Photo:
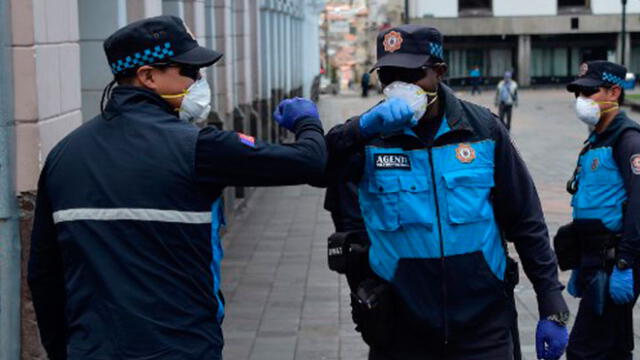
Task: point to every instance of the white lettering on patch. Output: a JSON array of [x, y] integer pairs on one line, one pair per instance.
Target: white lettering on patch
[[392, 161]]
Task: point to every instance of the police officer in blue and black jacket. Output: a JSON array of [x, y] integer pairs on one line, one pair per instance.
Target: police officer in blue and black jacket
[[602, 243], [125, 254], [438, 199]]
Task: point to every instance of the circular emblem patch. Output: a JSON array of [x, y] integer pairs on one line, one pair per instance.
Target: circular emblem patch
[[392, 41], [584, 68], [595, 164], [635, 164], [465, 153]]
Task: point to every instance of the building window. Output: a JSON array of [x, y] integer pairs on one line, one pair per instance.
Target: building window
[[573, 3], [573, 6], [474, 7]]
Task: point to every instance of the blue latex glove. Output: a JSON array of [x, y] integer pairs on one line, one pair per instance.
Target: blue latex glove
[[572, 287], [290, 111], [551, 340], [389, 116], [621, 286]]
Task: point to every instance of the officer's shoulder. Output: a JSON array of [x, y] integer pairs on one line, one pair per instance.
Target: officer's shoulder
[[480, 117]]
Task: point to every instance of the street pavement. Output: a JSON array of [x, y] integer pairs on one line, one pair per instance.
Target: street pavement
[[282, 300]]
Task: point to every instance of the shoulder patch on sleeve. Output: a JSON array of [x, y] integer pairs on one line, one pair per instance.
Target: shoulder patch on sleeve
[[635, 164], [250, 141]]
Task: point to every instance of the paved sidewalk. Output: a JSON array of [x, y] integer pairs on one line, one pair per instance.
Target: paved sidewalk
[[282, 300]]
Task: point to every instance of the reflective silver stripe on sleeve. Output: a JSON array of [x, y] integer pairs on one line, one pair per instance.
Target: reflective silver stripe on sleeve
[[170, 216]]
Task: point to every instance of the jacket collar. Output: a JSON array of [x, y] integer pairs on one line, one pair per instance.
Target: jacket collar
[[125, 97], [613, 128], [454, 116]]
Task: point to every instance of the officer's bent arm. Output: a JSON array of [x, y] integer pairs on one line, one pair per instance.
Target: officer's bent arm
[[627, 156], [344, 143], [225, 158], [46, 277], [520, 217]]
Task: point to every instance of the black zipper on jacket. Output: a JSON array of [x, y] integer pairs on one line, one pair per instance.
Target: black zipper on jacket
[[444, 286]]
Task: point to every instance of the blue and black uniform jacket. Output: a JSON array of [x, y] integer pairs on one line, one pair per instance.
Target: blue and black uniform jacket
[[125, 253], [608, 184], [437, 207]]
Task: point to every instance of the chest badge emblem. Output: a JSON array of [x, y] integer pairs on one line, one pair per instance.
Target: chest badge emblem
[[635, 164], [465, 153], [595, 164]]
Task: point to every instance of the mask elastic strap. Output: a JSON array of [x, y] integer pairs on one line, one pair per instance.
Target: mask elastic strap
[[610, 109], [176, 96]]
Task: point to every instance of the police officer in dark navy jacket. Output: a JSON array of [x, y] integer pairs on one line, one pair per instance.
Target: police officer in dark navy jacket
[[125, 255], [606, 218], [438, 197]]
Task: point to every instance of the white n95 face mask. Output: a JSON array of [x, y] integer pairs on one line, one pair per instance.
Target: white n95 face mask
[[414, 95], [196, 102], [588, 110]]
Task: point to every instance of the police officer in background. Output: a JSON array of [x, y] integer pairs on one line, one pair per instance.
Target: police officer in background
[[438, 195], [125, 254], [602, 243]]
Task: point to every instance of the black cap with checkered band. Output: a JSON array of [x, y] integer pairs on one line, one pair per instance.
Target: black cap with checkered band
[[158, 39], [408, 46], [598, 73]]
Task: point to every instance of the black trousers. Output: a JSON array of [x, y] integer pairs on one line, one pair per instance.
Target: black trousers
[[494, 339], [606, 337], [505, 112], [475, 86]]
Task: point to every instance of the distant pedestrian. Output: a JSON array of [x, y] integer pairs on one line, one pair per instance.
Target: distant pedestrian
[[476, 79], [506, 98], [364, 82]]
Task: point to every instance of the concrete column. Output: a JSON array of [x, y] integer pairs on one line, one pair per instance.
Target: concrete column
[[140, 9], [46, 101], [224, 91], [524, 60], [277, 50], [256, 57], [10, 268], [152, 8], [627, 57], [173, 7], [288, 52], [98, 20], [210, 42], [267, 53], [243, 50]]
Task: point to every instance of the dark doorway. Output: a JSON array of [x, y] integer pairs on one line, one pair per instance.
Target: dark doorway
[[573, 3], [474, 8]]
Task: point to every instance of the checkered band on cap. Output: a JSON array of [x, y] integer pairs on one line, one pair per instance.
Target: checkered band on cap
[[608, 77], [144, 57], [436, 50]]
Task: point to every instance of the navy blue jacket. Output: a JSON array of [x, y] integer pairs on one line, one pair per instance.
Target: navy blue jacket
[[608, 183], [125, 254], [513, 198]]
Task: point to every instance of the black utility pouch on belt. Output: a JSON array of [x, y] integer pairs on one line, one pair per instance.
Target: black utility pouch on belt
[[348, 254], [567, 247], [373, 312]]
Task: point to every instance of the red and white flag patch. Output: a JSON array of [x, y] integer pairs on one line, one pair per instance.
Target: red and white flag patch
[[250, 141]]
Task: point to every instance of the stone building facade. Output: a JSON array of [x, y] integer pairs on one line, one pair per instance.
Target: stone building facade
[[543, 41]]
